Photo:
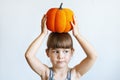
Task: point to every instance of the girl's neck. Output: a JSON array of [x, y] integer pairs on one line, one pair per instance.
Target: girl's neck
[[60, 70]]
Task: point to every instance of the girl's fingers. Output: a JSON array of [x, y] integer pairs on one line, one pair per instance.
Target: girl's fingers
[[74, 19], [71, 23], [44, 18]]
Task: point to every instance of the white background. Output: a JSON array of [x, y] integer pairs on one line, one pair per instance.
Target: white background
[[99, 23]]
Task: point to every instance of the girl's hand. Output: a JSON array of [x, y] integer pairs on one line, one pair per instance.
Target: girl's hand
[[44, 29], [75, 27]]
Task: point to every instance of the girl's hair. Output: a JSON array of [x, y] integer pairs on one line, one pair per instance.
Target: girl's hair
[[59, 40]]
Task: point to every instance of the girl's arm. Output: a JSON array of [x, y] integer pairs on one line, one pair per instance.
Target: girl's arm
[[91, 54], [30, 54]]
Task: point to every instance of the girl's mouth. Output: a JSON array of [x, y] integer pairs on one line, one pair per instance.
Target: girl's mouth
[[60, 61]]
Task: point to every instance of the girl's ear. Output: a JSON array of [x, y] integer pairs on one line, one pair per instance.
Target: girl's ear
[[47, 52], [72, 51]]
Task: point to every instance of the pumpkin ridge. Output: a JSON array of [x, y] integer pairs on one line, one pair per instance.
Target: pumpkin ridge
[[60, 21], [65, 30], [69, 15], [66, 21], [55, 21], [50, 20]]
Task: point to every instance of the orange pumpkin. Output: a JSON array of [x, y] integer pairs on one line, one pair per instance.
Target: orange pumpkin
[[58, 19]]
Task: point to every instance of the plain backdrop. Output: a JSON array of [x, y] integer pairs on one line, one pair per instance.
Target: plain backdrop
[[99, 23]]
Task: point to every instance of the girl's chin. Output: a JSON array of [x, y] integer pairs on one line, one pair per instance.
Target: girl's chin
[[61, 65]]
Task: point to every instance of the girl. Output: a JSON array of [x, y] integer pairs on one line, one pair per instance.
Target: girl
[[60, 50]]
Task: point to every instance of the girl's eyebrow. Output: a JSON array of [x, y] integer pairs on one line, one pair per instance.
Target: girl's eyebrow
[[60, 49], [54, 49]]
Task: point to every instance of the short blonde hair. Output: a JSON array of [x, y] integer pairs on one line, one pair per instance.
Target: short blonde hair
[[59, 40]]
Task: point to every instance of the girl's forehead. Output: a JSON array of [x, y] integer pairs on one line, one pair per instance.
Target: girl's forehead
[[60, 48]]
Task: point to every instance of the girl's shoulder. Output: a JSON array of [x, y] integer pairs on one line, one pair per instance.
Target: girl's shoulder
[[45, 75], [75, 74]]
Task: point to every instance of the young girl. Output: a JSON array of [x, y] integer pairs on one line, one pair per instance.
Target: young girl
[[60, 50]]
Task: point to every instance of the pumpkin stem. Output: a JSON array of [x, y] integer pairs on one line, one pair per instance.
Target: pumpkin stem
[[61, 6]]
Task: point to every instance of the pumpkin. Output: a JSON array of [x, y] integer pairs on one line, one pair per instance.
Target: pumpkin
[[58, 19]]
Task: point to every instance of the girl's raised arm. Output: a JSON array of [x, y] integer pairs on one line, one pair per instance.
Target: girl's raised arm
[[30, 54], [90, 52]]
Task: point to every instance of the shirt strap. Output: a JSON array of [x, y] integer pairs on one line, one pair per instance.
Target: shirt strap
[[69, 75], [51, 74]]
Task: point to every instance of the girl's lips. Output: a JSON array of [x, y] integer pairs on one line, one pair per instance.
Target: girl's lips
[[60, 61]]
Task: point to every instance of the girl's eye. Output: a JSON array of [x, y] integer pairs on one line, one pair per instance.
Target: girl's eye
[[55, 51], [66, 51]]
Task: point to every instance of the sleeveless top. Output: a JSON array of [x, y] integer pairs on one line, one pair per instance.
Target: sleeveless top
[[51, 75]]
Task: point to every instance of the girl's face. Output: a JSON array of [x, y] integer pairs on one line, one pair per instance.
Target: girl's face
[[60, 57]]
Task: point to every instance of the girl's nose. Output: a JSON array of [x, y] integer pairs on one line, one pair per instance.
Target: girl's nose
[[60, 56]]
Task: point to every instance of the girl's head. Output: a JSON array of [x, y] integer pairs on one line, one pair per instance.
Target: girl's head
[[59, 40], [59, 49]]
